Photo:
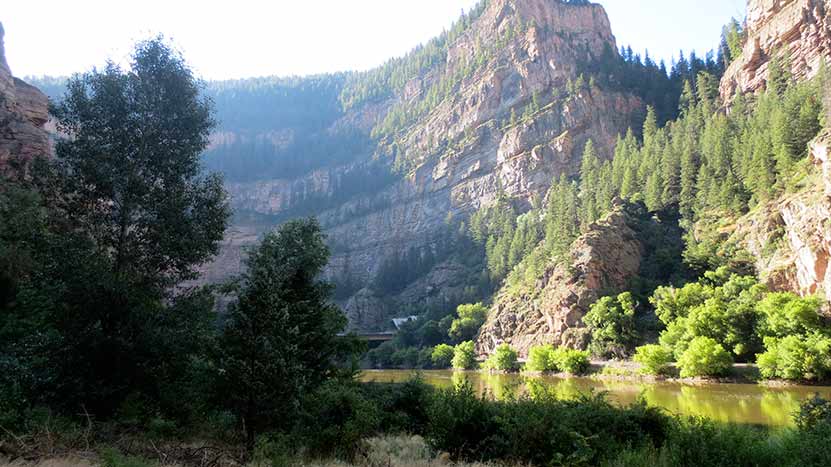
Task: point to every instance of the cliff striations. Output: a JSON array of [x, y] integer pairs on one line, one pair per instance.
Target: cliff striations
[[24, 111], [797, 29], [462, 150]]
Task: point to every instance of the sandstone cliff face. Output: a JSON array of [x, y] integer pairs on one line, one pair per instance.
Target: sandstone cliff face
[[799, 28], [23, 114], [791, 237], [464, 151], [602, 261]]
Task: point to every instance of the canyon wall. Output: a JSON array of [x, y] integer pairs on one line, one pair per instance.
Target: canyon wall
[[461, 154], [798, 29], [24, 111]]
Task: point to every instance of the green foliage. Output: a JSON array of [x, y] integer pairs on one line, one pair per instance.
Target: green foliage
[[111, 457], [784, 314], [504, 358], [280, 340], [797, 357], [542, 358], [572, 361], [704, 357], [611, 321], [813, 413], [471, 317], [464, 356], [722, 306], [442, 356], [469, 427], [654, 359]]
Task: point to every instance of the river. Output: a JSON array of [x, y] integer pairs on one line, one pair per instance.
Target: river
[[736, 403]]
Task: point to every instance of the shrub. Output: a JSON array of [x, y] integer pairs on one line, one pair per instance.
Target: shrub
[[814, 412], [654, 359], [503, 359], [541, 358], [572, 361], [704, 357], [336, 419], [464, 356], [796, 357], [784, 314], [542, 432], [406, 357], [442, 356]]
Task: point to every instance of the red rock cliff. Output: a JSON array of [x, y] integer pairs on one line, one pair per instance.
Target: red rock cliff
[[24, 111]]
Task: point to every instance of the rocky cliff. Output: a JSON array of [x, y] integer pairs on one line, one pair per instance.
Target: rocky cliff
[[601, 262], [23, 114], [462, 152], [798, 29], [790, 238]]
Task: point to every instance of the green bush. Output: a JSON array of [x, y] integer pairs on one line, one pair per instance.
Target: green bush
[[705, 357], [654, 359], [541, 358], [503, 359], [814, 412], [464, 356], [442, 356], [796, 357], [542, 432], [336, 420], [406, 357], [572, 361]]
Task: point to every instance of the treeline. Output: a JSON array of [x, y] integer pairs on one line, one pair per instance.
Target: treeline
[[99, 321]]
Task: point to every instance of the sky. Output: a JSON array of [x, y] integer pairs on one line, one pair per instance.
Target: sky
[[247, 38]]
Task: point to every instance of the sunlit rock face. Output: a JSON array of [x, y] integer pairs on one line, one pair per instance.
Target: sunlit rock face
[[24, 111], [604, 259], [480, 156], [801, 29]]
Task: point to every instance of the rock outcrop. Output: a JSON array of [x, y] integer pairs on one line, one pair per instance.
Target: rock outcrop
[[466, 150], [791, 237], [602, 261], [24, 111], [799, 29]]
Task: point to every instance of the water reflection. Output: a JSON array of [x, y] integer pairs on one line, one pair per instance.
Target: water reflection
[[738, 403]]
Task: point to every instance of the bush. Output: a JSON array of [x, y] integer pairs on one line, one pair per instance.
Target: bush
[[402, 407], [572, 361], [336, 420], [406, 357], [654, 359], [796, 357], [464, 356], [813, 413], [442, 356], [503, 359], [541, 358], [705, 357], [542, 432]]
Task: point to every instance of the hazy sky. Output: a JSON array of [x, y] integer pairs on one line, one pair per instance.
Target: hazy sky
[[243, 38]]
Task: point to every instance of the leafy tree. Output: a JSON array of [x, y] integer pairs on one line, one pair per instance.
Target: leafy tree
[[784, 314], [471, 317], [464, 356], [704, 357], [611, 321], [572, 361], [127, 216], [797, 357], [280, 340]]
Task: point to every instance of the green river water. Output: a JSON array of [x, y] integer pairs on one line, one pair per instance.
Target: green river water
[[737, 403]]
